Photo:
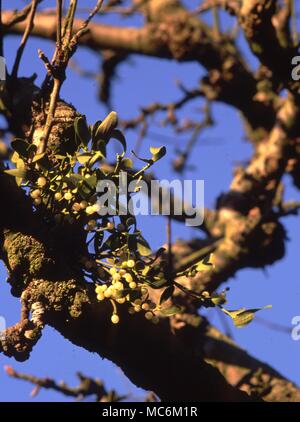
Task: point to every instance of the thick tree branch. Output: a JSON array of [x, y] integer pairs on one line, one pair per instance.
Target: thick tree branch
[[175, 34], [250, 231], [269, 43], [42, 270], [42, 264], [152, 356], [242, 370], [86, 388]]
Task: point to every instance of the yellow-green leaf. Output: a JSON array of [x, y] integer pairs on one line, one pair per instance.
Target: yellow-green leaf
[[107, 126], [157, 153], [205, 264], [82, 131], [242, 317], [172, 310], [38, 157]]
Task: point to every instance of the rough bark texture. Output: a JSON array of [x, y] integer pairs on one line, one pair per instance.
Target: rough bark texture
[[183, 358]]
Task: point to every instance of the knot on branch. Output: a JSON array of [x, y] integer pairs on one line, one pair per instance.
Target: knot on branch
[[17, 341], [26, 259], [62, 127], [180, 35], [255, 13], [252, 241]]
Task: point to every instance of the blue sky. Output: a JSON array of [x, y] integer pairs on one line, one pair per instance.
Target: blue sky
[[141, 81]]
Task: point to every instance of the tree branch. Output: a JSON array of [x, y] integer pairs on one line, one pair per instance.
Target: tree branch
[[150, 355], [271, 45], [245, 221], [86, 388], [176, 34]]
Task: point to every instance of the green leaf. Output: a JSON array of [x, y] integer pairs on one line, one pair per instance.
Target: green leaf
[[205, 264], [94, 129], [73, 179], [14, 157], [167, 293], [112, 242], [158, 254], [84, 157], [131, 221], [98, 240], [82, 132], [121, 293], [19, 172], [96, 157], [85, 190], [91, 181], [21, 147], [31, 150], [101, 147], [145, 160], [127, 162], [118, 135], [106, 127], [219, 299], [143, 246], [158, 153], [242, 317], [38, 157], [157, 284], [172, 310]]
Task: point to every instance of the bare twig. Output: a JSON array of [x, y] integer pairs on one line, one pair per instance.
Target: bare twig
[[295, 36], [169, 243], [216, 17], [48, 126], [1, 32], [19, 16], [141, 119], [66, 45], [59, 21], [125, 11], [179, 162], [289, 208], [26, 34], [87, 387], [231, 5], [109, 8], [273, 325], [85, 24]]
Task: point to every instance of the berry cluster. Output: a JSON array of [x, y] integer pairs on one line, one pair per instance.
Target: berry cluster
[[62, 183], [125, 286]]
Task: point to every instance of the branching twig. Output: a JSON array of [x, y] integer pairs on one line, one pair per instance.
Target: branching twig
[[1, 32], [289, 208], [216, 17], [66, 45], [169, 243], [87, 387], [141, 120], [59, 22], [295, 35], [273, 325], [19, 16], [26, 34], [231, 5], [125, 11], [179, 162], [169, 107], [85, 24]]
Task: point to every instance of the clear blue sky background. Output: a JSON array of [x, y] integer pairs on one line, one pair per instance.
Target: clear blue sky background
[[141, 81]]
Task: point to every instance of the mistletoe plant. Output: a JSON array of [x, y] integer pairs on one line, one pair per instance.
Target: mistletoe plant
[[62, 183]]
